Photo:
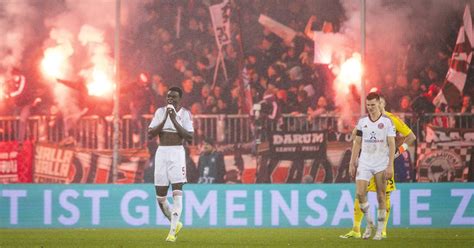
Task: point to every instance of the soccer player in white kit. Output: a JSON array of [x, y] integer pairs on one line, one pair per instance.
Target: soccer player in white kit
[[173, 124], [375, 135]]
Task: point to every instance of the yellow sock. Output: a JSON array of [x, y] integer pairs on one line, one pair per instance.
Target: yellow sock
[[358, 215], [387, 215]]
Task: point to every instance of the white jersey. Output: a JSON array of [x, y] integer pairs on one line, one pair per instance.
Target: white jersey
[[183, 116], [375, 151]]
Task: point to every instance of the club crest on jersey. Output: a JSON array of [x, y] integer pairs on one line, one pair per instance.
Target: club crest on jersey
[[380, 125]]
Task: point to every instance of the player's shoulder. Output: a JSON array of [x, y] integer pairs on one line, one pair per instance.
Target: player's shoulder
[[185, 111], [386, 118], [392, 117], [364, 118], [389, 114]]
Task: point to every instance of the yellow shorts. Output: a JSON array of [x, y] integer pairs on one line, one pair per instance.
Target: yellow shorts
[[390, 185]]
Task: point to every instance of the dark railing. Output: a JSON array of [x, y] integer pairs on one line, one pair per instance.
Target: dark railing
[[94, 132]]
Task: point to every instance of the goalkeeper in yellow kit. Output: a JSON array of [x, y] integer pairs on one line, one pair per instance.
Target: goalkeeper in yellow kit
[[407, 138]]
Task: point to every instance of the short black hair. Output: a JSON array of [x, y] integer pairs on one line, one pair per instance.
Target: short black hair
[[373, 95], [204, 61], [177, 89]]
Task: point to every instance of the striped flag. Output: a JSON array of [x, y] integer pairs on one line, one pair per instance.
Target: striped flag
[[246, 101], [451, 93]]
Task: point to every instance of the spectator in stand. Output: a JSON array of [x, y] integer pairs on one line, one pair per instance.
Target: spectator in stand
[[282, 100], [192, 173], [205, 93], [466, 105], [231, 59], [430, 76], [302, 104], [424, 103], [211, 106], [218, 92], [295, 77], [400, 89], [416, 88], [270, 48], [20, 95], [203, 70], [466, 108], [189, 92], [180, 66], [142, 99], [233, 107], [321, 108], [211, 164], [290, 57], [221, 107], [444, 120], [276, 76], [160, 88], [314, 115], [405, 105]]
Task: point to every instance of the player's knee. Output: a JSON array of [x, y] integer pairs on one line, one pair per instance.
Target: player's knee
[[381, 200], [161, 191], [177, 186], [361, 195]]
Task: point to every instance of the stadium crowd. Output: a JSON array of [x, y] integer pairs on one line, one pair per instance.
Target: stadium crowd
[[279, 72]]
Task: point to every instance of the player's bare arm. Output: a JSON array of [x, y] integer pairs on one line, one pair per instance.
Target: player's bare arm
[[405, 142], [154, 131], [391, 157], [307, 31], [355, 153]]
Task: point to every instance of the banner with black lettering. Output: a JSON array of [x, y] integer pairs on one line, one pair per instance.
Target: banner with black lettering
[[220, 16], [297, 145], [444, 162], [55, 164], [439, 134], [16, 162]]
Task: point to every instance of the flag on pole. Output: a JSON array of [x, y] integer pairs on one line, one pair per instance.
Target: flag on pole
[[284, 32], [220, 16], [451, 92], [246, 101]]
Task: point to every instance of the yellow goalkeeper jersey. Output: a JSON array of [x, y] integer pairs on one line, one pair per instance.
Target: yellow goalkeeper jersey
[[404, 131]]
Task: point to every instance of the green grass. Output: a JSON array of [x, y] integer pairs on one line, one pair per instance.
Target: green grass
[[192, 237]]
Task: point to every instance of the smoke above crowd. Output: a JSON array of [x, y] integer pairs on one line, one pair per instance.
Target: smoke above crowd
[[394, 34], [76, 37]]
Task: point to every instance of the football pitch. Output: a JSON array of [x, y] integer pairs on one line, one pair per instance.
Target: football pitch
[[227, 237]]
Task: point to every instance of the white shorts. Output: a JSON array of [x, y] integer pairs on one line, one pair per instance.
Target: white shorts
[[365, 172], [170, 165]]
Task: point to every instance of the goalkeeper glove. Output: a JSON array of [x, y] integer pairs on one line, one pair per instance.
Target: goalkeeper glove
[[401, 149]]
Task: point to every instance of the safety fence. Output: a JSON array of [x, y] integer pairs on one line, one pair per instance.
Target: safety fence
[[96, 132]]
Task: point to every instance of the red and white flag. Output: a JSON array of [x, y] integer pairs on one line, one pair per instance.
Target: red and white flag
[[246, 101], [220, 15], [451, 93]]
